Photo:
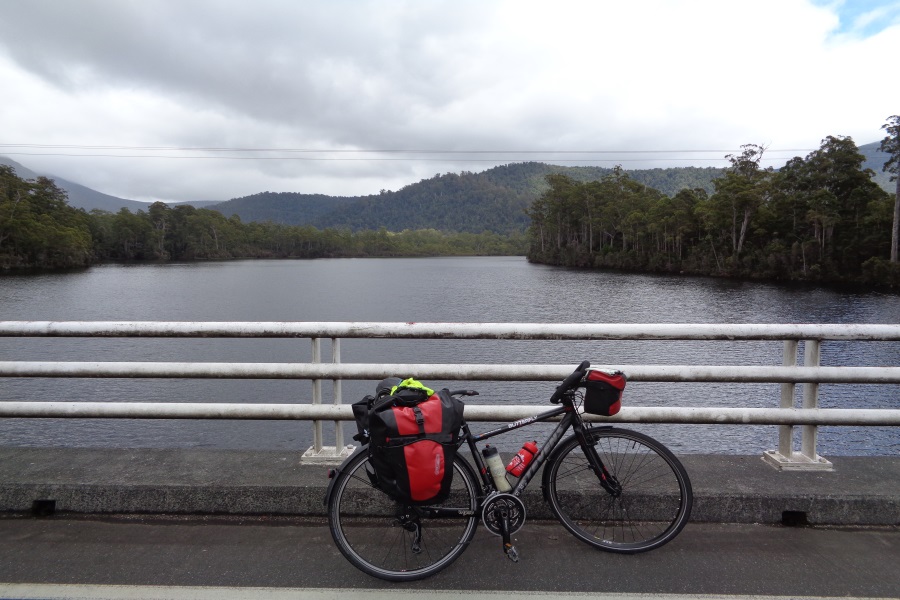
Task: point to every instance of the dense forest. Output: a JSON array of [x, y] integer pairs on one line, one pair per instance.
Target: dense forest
[[38, 229], [820, 218], [37, 226]]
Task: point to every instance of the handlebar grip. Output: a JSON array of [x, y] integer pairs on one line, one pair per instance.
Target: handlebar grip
[[569, 382]]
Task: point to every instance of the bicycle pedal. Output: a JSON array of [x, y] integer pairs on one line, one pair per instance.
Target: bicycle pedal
[[511, 553]]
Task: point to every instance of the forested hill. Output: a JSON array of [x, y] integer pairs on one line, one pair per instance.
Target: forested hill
[[282, 207], [494, 200], [875, 160]]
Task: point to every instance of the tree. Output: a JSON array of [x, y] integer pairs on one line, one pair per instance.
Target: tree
[[160, 217], [132, 235], [745, 182], [739, 195], [840, 190], [891, 145]]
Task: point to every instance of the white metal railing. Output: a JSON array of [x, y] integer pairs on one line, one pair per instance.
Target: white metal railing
[[809, 416]]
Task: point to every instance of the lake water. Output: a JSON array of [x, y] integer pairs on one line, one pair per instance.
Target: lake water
[[485, 289]]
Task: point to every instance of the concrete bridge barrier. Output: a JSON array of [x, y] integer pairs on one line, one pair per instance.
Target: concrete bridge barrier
[[727, 489]]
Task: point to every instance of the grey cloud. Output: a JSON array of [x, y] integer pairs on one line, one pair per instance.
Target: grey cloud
[[394, 74], [346, 72]]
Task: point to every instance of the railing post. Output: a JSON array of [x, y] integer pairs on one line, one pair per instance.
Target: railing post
[[785, 458], [317, 394], [319, 453], [338, 399], [786, 432], [809, 433]]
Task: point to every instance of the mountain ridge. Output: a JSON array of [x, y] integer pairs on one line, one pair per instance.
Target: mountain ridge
[[492, 200]]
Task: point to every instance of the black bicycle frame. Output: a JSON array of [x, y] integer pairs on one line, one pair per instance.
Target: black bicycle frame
[[569, 418]]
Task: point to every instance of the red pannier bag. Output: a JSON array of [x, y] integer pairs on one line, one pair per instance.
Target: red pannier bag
[[412, 445], [603, 391]]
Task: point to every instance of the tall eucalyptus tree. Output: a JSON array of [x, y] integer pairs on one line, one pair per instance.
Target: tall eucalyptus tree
[[891, 145]]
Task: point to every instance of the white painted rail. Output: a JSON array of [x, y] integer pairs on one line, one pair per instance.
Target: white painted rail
[[672, 373], [522, 331], [474, 412], [789, 374]]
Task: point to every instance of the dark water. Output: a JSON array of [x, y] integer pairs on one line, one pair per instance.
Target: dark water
[[429, 289]]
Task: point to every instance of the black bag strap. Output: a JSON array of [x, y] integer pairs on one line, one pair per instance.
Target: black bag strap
[[420, 419]]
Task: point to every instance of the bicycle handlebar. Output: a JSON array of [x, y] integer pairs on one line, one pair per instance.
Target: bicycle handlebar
[[569, 382]]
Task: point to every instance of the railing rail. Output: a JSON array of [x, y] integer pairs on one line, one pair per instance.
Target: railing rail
[[523, 331], [810, 375], [319, 371], [474, 412]]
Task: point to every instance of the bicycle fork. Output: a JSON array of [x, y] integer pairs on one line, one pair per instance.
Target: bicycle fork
[[607, 480]]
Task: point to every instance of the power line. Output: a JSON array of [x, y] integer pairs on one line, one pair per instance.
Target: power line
[[370, 159], [374, 151], [378, 155]]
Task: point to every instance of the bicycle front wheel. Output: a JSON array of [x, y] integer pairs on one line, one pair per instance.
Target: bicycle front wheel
[[652, 503], [395, 542]]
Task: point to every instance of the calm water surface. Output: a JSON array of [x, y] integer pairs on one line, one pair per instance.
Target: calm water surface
[[487, 289]]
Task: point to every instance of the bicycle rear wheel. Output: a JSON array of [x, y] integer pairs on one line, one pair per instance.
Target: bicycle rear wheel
[[655, 499], [395, 542]]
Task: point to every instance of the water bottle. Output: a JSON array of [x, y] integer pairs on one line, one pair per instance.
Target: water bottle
[[495, 466], [521, 460]]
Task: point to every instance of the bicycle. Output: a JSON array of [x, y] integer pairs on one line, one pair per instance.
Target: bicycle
[[614, 489]]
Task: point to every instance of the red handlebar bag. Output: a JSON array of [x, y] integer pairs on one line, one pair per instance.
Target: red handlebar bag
[[603, 391]]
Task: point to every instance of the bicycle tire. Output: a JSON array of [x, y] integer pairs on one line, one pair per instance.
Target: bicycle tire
[[366, 525], [654, 504]]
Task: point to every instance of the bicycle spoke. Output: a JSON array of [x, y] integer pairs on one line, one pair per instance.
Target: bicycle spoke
[[378, 535], [651, 504]]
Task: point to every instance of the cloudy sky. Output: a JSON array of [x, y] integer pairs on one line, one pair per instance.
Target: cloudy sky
[[180, 100]]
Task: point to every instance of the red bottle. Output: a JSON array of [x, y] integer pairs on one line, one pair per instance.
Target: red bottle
[[518, 463]]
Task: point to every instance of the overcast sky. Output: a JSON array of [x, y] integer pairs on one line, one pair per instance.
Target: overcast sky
[[181, 100]]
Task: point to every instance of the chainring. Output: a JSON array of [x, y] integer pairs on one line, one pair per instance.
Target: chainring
[[515, 510]]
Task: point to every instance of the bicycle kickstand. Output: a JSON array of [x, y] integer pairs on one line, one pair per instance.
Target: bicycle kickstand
[[510, 550]]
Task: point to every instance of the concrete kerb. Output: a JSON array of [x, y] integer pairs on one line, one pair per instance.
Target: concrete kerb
[[727, 489]]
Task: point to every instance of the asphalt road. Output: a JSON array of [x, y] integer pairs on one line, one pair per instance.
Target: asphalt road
[[245, 554]]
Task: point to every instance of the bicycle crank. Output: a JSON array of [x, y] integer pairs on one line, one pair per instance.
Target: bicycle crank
[[504, 515]]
